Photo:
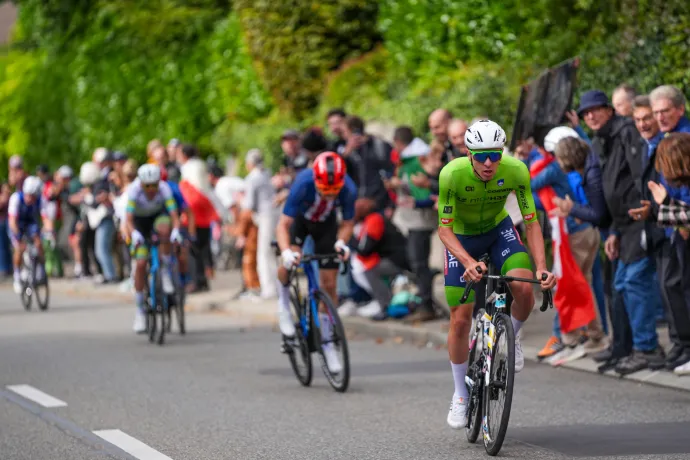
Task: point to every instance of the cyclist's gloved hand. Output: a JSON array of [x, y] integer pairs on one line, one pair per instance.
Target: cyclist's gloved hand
[[137, 238], [340, 246], [175, 236], [290, 258]]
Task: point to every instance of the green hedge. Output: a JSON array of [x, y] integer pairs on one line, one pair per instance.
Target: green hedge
[[296, 43]]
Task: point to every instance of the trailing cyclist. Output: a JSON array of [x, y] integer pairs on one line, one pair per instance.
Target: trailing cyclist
[[310, 209], [472, 222], [25, 209], [151, 208]]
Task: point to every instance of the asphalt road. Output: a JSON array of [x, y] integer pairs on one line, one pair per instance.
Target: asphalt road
[[225, 392]]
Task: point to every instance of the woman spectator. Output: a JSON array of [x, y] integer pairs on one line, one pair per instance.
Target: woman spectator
[[125, 178], [584, 244], [584, 174], [673, 162], [89, 174]]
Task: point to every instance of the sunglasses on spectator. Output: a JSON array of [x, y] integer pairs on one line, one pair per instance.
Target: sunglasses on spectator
[[493, 155]]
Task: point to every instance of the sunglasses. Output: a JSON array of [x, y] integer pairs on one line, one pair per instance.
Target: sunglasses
[[150, 186], [493, 155]]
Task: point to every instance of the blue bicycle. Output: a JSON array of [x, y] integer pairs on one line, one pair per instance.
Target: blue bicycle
[[158, 304], [310, 334]]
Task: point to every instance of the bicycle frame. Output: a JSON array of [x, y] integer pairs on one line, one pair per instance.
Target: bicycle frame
[[154, 263], [313, 287]]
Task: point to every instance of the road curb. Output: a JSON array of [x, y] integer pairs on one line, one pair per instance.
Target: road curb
[[264, 312], [420, 336]]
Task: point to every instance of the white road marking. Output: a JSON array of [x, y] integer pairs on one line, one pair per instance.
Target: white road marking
[[36, 395], [130, 445]]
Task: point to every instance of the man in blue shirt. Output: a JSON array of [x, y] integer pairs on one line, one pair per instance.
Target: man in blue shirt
[[310, 210], [668, 108]]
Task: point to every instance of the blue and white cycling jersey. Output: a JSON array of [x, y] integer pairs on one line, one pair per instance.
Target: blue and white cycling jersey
[[28, 216], [304, 200]]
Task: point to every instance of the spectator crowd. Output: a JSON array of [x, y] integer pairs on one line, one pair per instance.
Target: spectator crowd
[[622, 191]]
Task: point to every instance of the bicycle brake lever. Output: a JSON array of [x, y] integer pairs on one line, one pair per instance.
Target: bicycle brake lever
[[547, 296]]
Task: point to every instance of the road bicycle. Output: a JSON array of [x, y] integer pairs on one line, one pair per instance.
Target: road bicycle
[[34, 279], [491, 367], [159, 305], [309, 336]]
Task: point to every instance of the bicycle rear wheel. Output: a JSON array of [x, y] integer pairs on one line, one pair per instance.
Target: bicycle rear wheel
[[297, 347], [476, 375], [332, 335], [498, 396]]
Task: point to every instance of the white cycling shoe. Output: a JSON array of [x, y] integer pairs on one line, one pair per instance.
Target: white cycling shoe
[[17, 286], [287, 327], [457, 414], [332, 360], [139, 322], [519, 356]]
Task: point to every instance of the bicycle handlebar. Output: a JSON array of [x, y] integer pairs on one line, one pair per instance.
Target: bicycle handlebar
[[311, 257], [547, 299]]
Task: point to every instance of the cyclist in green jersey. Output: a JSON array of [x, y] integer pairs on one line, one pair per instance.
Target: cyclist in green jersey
[[472, 222]]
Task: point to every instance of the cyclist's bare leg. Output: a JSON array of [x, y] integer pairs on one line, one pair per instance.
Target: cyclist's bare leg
[[163, 231], [328, 284], [140, 275], [285, 318], [39, 246], [17, 254], [523, 297], [459, 333]]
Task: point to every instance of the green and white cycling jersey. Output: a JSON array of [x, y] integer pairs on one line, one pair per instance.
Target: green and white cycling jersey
[[471, 206]]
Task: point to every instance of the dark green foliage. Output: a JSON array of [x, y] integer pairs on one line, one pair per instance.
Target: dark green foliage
[[139, 70], [295, 43]]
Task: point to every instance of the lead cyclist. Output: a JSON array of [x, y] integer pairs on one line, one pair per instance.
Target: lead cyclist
[[472, 222]]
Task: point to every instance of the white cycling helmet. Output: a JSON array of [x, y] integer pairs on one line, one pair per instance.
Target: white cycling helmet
[[149, 174], [65, 171], [485, 135], [32, 186], [555, 135], [89, 173]]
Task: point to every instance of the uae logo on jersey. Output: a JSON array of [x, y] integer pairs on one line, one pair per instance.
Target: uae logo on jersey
[[500, 182]]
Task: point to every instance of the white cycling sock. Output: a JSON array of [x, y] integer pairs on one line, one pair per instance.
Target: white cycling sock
[[459, 372], [283, 298], [139, 298], [517, 324]]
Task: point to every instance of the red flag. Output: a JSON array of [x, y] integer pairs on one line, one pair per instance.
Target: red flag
[[573, 297], [199, 204]]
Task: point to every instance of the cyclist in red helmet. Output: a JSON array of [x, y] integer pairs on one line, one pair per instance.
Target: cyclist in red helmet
[[310, 209]]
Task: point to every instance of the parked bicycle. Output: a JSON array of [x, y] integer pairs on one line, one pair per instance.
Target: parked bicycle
[[309, 336], [34, 279], [491, 367]]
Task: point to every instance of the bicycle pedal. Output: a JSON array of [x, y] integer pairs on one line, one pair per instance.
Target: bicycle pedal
[[286, 349]]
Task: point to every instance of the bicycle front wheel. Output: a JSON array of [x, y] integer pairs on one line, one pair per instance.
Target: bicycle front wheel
[[475, 376], [297, 347], [332, 344], [498, 395], [41, 289]]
